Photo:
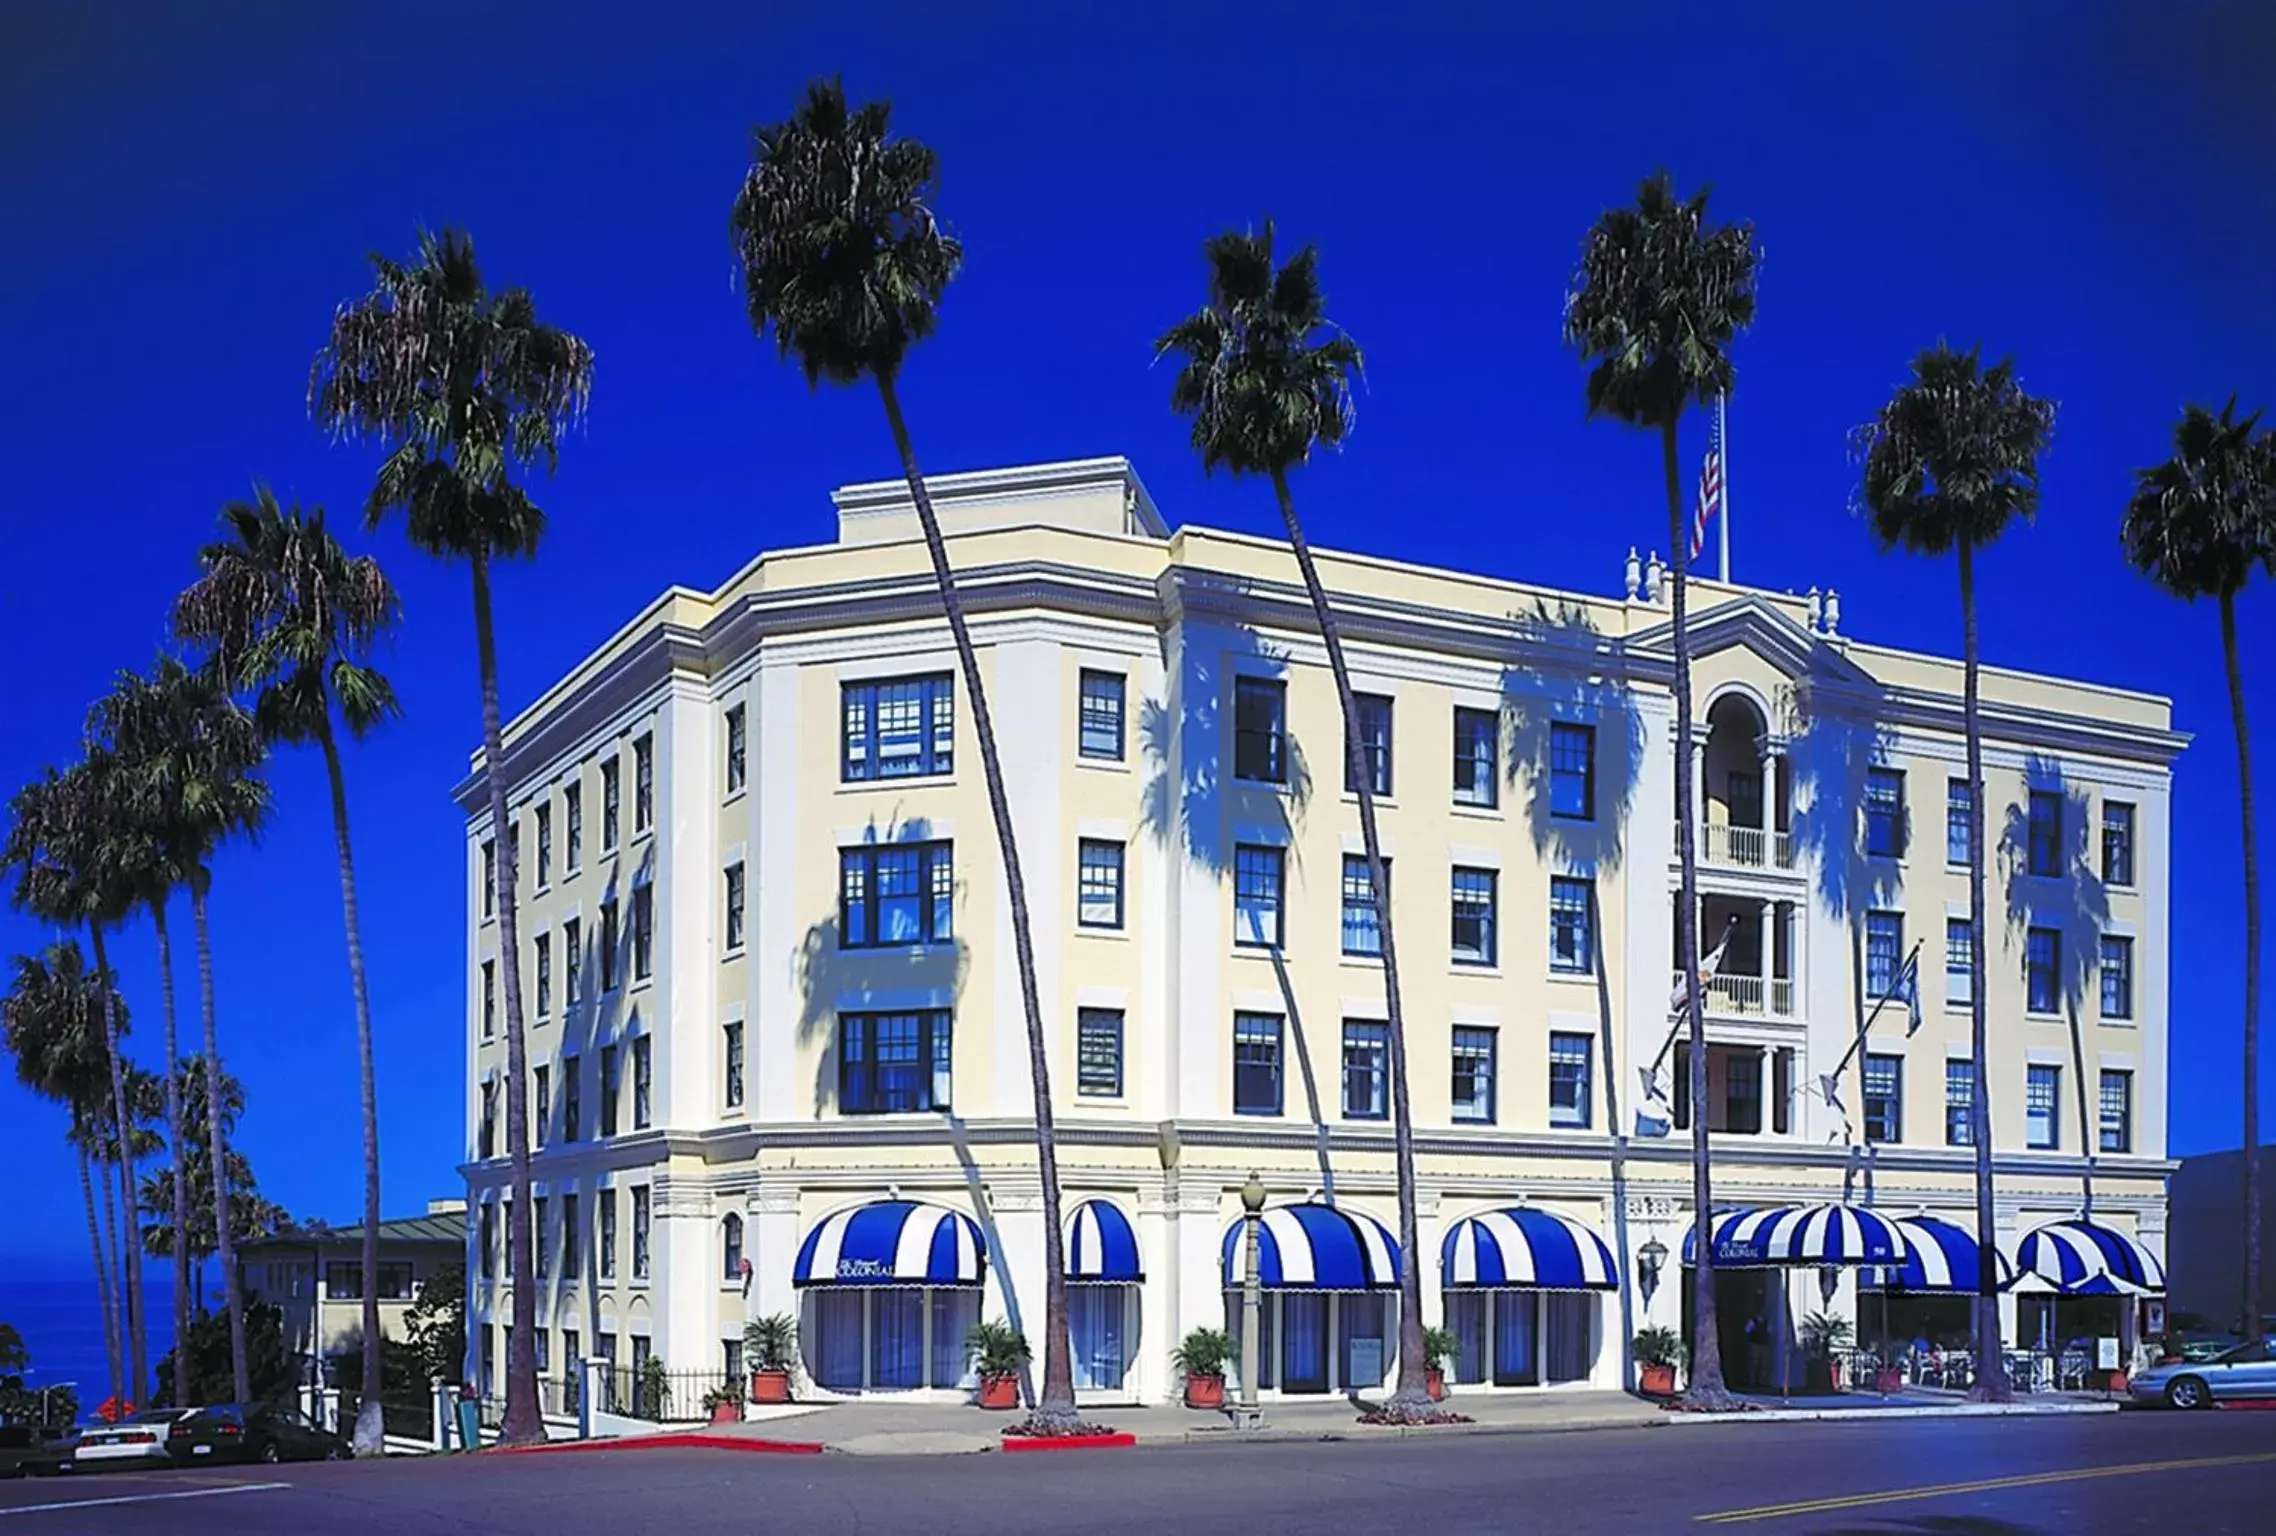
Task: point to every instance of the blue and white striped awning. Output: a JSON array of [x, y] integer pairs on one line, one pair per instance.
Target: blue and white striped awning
[[1523, 1247], [1102, 1246], [1800, 1234], [1941, 1256], [2086, 1258], [892, 1242], [1316, 1248]]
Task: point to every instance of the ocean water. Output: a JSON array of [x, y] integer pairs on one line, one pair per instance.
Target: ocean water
[[61, 1321]]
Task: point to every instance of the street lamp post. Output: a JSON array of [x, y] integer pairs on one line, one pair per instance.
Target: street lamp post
[[1248, 1415]]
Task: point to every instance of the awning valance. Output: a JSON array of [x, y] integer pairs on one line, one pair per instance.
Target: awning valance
[[892, 1242], [1800, 1234], [1102, 1245], [1940, 1256], [1523, 1247], [1316, 1248], [2086, 1258]]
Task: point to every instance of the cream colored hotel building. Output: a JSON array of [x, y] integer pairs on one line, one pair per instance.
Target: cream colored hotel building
[[768, 978]]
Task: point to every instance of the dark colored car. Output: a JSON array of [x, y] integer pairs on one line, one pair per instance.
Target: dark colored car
[[253, 1432], [33, 1450]]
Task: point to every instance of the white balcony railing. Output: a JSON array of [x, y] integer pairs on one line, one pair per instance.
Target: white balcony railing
[[1747, 996], [1731, 847]]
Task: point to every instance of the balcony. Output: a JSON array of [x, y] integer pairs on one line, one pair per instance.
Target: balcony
[[1733, 847], [1744, 997], [1755, 977]]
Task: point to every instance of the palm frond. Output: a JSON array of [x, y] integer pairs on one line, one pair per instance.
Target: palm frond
[[1954, 453], [2199, 522]]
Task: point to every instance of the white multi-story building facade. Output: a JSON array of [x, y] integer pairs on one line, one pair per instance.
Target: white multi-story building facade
[[778, 1054]]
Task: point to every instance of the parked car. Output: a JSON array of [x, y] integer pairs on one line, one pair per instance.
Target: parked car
[[139, 1440], [253, 1432], [2247, 1371], [33, 1449]]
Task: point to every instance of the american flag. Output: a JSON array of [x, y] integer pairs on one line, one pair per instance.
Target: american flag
[[1710, 486]]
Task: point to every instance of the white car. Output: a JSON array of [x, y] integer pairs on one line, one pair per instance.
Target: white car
[[2247, 1371], [137, 1441]]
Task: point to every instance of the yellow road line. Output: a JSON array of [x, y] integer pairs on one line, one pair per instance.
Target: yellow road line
[[1985, 1485]]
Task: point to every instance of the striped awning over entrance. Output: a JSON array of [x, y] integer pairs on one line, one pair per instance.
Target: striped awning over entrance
[[1800, 1234], [892, 1242], [2085, 1258], [1102, 1246], [1941, 1256], [1526, 1248], [1315, 1248]]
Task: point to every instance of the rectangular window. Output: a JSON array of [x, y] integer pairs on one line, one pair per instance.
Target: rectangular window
[[489, 1242], [2046, 843], [1569, 1096], [732, 1046], [543, 1263], [1098, 883], [1959, 822], [572, 1256], [544, 946], [1362, 925], [1884, 951], [1742, 1093], [610, 1086], [897, 728], [643, 1062], [1374, 713], [544, 846], [643, 932], [896, 893], [1098, 1053], [2042, 1119], [893, 1063], [2043, 971], [1884, 1098], [489, 998], [2117, 977], [1256, 1063], [572, 1099], [2117, 1110], [1474, 1074], [608, 945], [735, 746], [572, 961], [1885, 813], [640, 1232], [543, 1109], [490, 878], [1366, 1070], [1477, 757], [1959, 1103], [1260, 730], [1099, 711], [611, 802], [2117, 843], [1572, 937], [734, 897], [1256, 895], [643, 783], [1474, 893], [1572, 771], [573, 824], [1959, 961], [606, 1238], [487, 1140]]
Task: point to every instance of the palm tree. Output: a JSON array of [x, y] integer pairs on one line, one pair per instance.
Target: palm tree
[[1266, 377], [251, 1214], [190, 760], [2196, 525], [466, 387], [1654, 306], [1948, 463], [291, 615], [843, 259]]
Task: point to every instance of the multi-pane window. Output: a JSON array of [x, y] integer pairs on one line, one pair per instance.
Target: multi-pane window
[[1885, 813], [1572, 935], [1362, 923], [1884, 1098], [639, 1231], [490, 878], [1098, 883], [893, 1062], [1959, 960], [1260, 730], [611, 802], [2043, 971], [731, 1247], [489, 1241], [572, 961], [1742, 1093], [1572, 771], [1959, 1103], [898, 728], [2042, 1118], [734, 896], [542, 1113], [489, 998], [643, 932], [737, 741], [1257, 914], [2046, 838], [1569, 1097], [731, 1048], [2117, 1110], [1884, 951], [1477, 757], [572, 1254], [1374, 712], [1256, 1063], [1098, 1053], [608, 945], [2117, 977], [643, 783], [1098, 730], [573, 825], [572, 1100], [1474, 1050], [610, 1089], [605, 1238], [1474, 916], [1366, 1070], [544, 846], [643, 1080], [543, 945], [1959, 821], [2117, 843], [896, 893], [486, 1142], [543, 1262]]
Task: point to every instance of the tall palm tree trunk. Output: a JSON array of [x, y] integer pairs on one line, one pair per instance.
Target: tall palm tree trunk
[[2252, 1292], [104, 1296], [371, 1431], [1991, 1361], [115, 1263], [137, 1336], [225, 1244], [1705, 1388], [524, 1422], [179, 1182], [1413, 1393], [1055, 1405]]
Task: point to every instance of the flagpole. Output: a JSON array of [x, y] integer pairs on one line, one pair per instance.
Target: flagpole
[[1878, 1004], [1723, 523]]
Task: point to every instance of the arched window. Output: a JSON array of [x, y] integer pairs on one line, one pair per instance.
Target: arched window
[[731, 1247]]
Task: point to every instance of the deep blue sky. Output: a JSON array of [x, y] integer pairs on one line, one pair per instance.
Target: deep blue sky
[[186, 200]]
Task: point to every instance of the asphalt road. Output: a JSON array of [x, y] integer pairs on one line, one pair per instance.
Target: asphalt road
[[2164, 1473]]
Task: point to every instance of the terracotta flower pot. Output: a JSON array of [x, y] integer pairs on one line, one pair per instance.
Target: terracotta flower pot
[[770, 1386], [1658, 1381], [1435, 1380], [999, 1392], [727, 1413], [1888, 1381], [1205, 1391]]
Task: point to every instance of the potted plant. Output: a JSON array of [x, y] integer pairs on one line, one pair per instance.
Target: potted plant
[[1201, 1360], [723, 1404], [1439, 1346], [770, 1344], [1888, 1371], [1658, 1352], [999, 1352], [1823, 1334]]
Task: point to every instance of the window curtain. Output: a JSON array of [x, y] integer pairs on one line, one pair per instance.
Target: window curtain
[[1572, 1325], [837, 1339], [1359, 1320], [897, 1339], [1304, 1341], [954, 1310], [1466, 1316], [1515, 1325], [1095, 1319]]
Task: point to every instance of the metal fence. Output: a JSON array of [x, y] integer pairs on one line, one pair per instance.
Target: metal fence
[[656, 1394]]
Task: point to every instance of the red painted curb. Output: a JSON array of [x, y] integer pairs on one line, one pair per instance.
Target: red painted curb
[[666, 1442], [1068, 1442], [2249, 1404]]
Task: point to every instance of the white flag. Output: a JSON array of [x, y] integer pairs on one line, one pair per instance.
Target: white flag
[[1709, 968]]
